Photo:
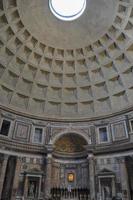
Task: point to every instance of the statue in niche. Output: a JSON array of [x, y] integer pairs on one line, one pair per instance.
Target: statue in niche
[[107, 192], [31, 192]]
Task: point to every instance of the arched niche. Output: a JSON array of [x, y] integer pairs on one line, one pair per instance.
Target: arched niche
[[69, 161], [70, 143]]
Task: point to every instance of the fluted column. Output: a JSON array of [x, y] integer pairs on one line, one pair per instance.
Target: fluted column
[[124, 180], [48, 173], [16, 178], [25, 186], [113, 187], [91, 175], [3, 173]]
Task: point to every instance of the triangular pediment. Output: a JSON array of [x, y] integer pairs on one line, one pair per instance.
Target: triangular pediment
[[105, 171]]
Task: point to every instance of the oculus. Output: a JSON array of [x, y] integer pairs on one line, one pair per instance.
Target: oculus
[[67, 10]]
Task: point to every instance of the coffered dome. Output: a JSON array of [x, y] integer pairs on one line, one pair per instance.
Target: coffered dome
[[66, 70]]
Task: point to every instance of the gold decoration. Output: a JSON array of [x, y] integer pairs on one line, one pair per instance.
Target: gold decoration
[[71, 177]]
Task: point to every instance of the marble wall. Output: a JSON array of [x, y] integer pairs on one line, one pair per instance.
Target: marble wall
[[37, 159], [61, 170]]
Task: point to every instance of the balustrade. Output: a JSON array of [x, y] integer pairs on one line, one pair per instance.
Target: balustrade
[[75, 193]]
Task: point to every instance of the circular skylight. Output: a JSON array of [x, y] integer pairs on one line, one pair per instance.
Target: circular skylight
[[67, 10]]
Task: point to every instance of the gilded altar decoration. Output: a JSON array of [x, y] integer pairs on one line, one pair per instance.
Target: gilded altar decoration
[[70, 177]]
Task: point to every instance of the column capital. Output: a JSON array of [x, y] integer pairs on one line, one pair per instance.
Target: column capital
[[49, 155], [49, 148], [91, 157], [19, 158], [6, 156]]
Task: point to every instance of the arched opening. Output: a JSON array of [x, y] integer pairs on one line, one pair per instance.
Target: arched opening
[[70, 144], [70, 173]]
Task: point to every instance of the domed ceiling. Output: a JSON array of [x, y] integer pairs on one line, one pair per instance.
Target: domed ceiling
[[66, 70]]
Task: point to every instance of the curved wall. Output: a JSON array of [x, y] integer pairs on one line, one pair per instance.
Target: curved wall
[[22, 131], [107, 155]]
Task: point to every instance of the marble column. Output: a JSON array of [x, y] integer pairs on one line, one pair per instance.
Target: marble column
[[48, 175], [113, 187], [16, 178], [3, 173], [25, 186], [124, 180], [92, 176]]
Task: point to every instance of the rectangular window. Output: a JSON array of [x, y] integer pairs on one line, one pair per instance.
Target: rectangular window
[[103, 134], [38, 135], [5, 127]]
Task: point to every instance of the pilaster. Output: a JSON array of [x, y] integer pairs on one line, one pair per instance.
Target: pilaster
[[92, 175], [48, 172], [16, 178], [124, 180], [3, 172]]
